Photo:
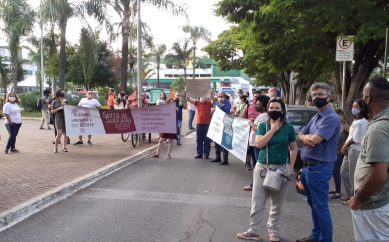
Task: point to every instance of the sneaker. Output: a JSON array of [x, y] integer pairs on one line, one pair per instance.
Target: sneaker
[[78, 143], [178, 143], [308, 239], [206, 157], [248, 236], [335, 196], [198, 156], [14, 151], [41, 128], [89, 142], [216, 160], [248, 188]]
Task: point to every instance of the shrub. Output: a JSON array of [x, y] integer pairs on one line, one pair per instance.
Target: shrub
[[29, 100]]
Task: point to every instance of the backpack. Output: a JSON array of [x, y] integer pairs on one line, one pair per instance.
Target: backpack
[[39, 104]]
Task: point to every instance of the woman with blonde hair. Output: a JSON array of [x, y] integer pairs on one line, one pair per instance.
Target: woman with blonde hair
[[13, 121]]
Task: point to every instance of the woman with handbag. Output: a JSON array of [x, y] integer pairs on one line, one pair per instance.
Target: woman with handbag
[[277, 141]]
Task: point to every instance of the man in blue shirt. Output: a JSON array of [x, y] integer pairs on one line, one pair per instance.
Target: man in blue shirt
[[225, 106], [320, 140]]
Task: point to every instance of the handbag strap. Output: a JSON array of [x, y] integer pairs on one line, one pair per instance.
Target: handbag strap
[[267, 150]]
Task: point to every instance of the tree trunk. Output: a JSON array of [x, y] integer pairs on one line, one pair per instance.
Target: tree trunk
[[338, 82], [365, 62], [194, 61], [124, 66], [302, 94], [14, 68], [285, 84], [62, 54]]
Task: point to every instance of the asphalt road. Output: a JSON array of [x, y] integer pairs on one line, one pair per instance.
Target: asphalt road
[[182, 199]]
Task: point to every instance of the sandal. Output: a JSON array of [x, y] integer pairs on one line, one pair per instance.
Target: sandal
[[65, 150], [335, 196], [154, 156], [169, 157], [345, 198], [248, 236], [274, 237], [55, 150]]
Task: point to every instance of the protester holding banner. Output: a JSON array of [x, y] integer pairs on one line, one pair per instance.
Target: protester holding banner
[[88, 102], [203, 120], [261, 108], [169, 136], [225, 106], [132, 101], [58, 109], [277, 141]]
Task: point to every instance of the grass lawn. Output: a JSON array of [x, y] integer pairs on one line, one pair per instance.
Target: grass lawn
[[33, 114]]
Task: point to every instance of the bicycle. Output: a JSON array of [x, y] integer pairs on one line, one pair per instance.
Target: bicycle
[[125, 136]]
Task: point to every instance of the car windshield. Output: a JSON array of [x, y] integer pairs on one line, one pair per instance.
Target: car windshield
[[300, 117]]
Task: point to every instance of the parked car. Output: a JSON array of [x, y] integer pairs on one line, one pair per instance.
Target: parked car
[[299, 116], [154, 94]]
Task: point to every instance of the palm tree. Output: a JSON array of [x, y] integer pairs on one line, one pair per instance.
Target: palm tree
[[196, 33], [158, 52], [18, 18], [59, 12], [125, 9], [181, 55]]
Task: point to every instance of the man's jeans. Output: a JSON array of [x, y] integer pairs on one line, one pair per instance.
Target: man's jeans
[[191, 117], [371, 225], [203, 142], [316, 184], [13, 130]]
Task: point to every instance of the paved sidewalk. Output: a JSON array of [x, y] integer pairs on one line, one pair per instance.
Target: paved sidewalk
[[36, 169]]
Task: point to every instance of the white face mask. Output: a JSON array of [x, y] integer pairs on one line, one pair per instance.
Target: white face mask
[[202, 99], [12, 99]]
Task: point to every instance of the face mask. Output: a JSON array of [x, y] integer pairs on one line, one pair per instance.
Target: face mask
[[221, 99], [320, 102], [12, 99], [61, 95], [201, 99], [274, 114], [355, 111]]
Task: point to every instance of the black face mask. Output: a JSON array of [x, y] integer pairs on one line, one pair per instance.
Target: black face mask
[[320, 102], [61, 95], [274, 114]]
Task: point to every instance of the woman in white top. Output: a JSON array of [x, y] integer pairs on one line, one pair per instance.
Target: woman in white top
[[162, 99], [352, 147], [13, 121]]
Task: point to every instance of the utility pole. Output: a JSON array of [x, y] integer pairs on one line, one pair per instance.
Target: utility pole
[[41, 47], [386, 50], [139, 56]]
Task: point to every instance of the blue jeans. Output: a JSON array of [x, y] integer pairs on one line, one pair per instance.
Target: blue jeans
[[191, 117], [316, 184], [203, 142], [336, 173], [13, 130]]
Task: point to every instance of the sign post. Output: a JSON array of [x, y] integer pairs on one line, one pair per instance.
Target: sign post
[[344, 52]]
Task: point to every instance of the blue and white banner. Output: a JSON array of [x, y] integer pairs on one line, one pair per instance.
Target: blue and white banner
[[230, 132]]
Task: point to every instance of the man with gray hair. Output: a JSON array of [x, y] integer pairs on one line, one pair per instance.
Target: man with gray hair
[[320, 140]]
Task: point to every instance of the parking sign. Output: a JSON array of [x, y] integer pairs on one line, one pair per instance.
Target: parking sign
[[345, 48]]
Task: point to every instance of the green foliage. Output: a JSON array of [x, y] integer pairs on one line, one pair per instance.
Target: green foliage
[[181, 56], [73, 100], [179, 85], [28, 101]]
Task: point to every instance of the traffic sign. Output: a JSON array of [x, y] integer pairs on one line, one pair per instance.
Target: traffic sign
[[345, 48]]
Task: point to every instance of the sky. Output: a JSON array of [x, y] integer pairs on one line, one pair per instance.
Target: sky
[[165, 28]]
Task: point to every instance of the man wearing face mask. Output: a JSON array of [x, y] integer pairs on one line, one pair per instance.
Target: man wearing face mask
[[203, 119], [320, 140], [370, 203], [225, 106], [180, 105]]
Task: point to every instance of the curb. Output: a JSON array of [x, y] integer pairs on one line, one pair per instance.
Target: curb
[[37, 204], [22, 211]]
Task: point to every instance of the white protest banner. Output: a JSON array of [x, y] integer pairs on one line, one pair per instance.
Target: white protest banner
[[229, 132], [154, 119]]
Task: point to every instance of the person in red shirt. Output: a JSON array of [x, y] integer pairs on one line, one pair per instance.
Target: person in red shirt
[[204, 107], [111, 98], [132, 101]]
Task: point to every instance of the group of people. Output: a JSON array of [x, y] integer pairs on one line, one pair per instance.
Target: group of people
[[354, 155]]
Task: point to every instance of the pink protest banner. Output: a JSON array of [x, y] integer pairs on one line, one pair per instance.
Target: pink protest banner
[[154, 119]]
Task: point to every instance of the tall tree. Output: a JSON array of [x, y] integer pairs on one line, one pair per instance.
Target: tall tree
[[59, 12], [158, 52], [4, 79], [18, 19], [125, 9], [181, 56], [88, 55], [196, 33]]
